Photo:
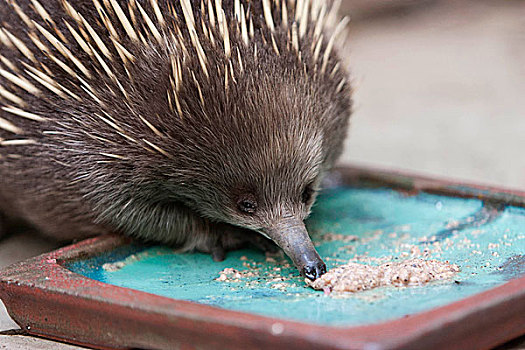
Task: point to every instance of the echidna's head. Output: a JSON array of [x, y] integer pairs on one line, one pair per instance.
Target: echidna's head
[[255, 153]]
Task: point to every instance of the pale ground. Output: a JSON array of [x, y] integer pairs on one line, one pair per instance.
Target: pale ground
[[441, 91]]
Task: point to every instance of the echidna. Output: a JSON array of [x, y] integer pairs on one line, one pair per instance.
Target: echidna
[[197, 123]]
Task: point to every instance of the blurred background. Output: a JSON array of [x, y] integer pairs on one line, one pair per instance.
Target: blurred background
[[439, 90]]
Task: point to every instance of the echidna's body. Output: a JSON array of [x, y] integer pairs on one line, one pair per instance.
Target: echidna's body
[[185, 122]]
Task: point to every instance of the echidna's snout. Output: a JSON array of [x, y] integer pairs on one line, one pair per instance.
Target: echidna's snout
[[291, 235]]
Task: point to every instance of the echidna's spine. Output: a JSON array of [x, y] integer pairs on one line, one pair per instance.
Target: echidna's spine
[[130, 24]]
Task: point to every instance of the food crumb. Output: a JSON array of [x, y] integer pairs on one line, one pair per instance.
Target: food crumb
[[117, 265], [354, 277], [230, 274], [331, 237], [280, 286], [112, 267]]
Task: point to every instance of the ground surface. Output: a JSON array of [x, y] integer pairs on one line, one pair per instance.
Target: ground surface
[[438, 89], [441, 91]]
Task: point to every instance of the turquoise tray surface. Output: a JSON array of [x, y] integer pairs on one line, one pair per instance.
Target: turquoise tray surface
[[369, 226]]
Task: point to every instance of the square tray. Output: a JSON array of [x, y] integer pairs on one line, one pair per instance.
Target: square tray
[[71, 295]]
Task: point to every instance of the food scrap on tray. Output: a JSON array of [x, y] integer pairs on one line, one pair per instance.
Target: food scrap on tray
[[354, 277]]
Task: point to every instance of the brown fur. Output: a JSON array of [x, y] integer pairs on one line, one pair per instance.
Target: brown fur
[[270, 135]]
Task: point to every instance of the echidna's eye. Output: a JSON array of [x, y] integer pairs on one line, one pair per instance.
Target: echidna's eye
[[307, 193], [248, 206]]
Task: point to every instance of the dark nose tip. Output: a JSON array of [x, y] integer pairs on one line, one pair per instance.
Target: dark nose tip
[[314, 270]]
